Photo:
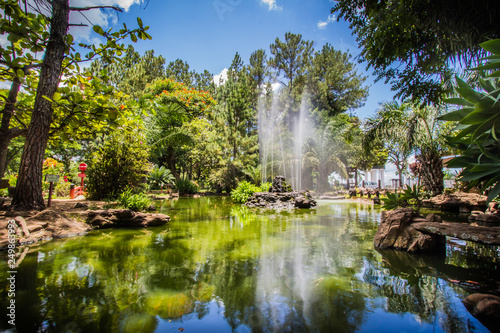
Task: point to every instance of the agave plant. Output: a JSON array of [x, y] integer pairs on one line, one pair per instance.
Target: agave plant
[[160, 177], [478, 127]]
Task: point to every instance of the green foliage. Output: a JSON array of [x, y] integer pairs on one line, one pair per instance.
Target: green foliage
[[393, 201], [62, 189], [186, 186], [136, 202], [265, 187], [160, 177], [478, 127], [244, 191], [411, 195], [117, 163], [412, 43]]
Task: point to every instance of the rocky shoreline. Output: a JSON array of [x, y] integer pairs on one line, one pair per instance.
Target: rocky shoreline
[[70, 219]]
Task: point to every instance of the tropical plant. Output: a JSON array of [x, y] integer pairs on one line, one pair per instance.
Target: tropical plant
[[159, 177], [411, 195], [136, 202], [478, 127], [244, 191], [254, 173]]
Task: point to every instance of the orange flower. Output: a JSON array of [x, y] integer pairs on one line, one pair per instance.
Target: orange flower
[[122, 107]]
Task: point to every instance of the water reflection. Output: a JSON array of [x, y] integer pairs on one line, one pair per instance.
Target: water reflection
[[223, 267]]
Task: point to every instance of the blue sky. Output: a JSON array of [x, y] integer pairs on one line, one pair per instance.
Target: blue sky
[[208, 33]]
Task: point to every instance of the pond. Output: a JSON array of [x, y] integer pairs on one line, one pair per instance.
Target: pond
[[220, 267]]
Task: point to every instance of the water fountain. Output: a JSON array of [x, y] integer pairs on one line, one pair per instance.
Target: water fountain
[[282, 135]]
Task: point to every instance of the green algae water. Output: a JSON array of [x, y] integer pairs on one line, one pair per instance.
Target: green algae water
[[220, 267]]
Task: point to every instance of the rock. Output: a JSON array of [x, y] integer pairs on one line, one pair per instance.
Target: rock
[[152, 208], [109, 218], [81, 205], [418, 219], [376, 201], [463, 210], [304, 202], [433, 218], [280, 185], [487, 220], [453, 202], [396, 231], [484, 235], [486, 308]]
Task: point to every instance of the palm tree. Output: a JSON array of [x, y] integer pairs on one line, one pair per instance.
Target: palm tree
[[323, 156], [165, 133], [411, 128]]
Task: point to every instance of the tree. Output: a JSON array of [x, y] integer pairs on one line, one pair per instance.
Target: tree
[[335, 85], [412, 43], [235, 117], [28, 193], [171, 105], [383, 126], [291, 60], [414, 128]]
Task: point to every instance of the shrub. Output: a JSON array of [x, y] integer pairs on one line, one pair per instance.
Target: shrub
[[62, 189], [116, 164], [159, 177], [135, 202], [185, 186], [265, 187], [244, 191]]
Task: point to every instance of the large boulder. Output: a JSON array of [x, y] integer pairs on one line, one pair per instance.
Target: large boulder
[[395, 231], [303, 201], [280, 185], [486, 308], [110, 218], [458, 201]]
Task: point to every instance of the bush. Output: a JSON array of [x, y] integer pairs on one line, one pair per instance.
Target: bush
[[159, 177], [244, 191], [116, 164], [135, 202], [185, 186], [265, 187], [62, 189]]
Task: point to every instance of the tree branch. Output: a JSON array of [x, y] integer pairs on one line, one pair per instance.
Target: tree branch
[[78, 25], [81, 9]]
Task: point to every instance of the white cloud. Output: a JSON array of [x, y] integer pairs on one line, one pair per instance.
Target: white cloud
[[103, 18], [221, 78], [323, 24], [272, 4]]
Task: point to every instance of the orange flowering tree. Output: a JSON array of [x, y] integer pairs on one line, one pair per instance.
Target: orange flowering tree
[[195, 102], [173, 104]]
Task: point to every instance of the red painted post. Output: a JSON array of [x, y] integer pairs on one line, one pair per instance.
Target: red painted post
[[82, 168], [50, 194]]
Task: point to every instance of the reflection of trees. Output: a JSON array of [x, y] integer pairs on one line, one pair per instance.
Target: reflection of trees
[[271, 271], [415, 284]]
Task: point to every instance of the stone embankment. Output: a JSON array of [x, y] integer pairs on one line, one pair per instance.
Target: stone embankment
[[281, 200], [403, 229], [64, 221]]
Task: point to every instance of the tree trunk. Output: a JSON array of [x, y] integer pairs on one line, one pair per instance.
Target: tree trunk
[[171, 163], [431, 171], [7, 133], [29, 184]]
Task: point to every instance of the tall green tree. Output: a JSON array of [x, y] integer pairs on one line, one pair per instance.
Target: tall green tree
[[292, 61], [58, 57], [412, 43], [335, 85]]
